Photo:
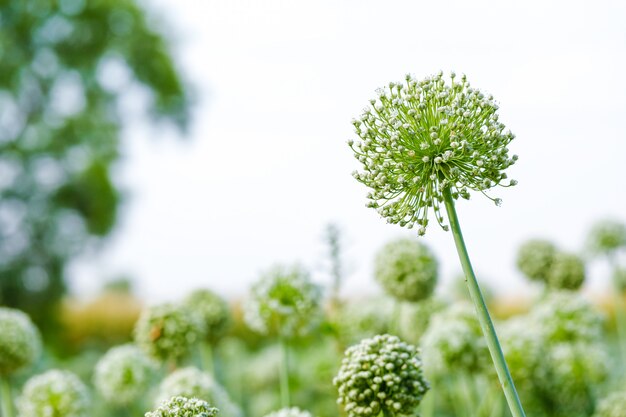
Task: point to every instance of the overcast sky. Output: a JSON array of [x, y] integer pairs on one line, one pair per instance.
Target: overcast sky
[[266, 165]]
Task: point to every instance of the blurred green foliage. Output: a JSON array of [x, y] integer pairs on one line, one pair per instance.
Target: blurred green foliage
[[64, 65]]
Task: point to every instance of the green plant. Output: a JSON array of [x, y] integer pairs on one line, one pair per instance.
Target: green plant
[[184, 407], [54, 393]]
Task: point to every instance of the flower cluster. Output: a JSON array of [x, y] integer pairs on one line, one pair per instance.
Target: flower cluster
[[360, 319], [184, 407], [541, 261], [407, 270], [54, 393], [567, 317], [20, 343], [606, 237], [614, 405], [415, 318], [419, 138], [213, 312], [289, 412], [167, 331], [381, 374], [193, 383], [123, 374], [284, 301], [454, 341]]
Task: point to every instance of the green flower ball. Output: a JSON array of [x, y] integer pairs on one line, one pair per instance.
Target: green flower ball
[[419, 138], [20, 343], [183, 407], [123, 374], [168, 331], [54, 393], [454, 341], [193, 383], [213, 312], [407, 270], [614, 405], [565, 317], [289, 412], [606, 237], [284, 301], [567, 272], [381, 374], [535, 258]]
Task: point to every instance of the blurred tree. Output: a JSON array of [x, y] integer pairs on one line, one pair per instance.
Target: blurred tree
[[64, 64]]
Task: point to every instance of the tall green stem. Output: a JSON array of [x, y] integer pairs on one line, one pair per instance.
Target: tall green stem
[[5, 397], [481, 310], [206, 358], [284, 373]]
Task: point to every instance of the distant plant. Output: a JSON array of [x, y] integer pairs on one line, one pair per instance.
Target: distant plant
[[289, 412], [212, 310], [54, 393], [20, 342], [381, 375], [606, 237], [613, 405], [541, 261], [184, 407], [407, 270], [423, 144], [168, 332], [124, 374]]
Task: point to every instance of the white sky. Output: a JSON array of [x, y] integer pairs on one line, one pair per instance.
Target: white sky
[[266, 165]]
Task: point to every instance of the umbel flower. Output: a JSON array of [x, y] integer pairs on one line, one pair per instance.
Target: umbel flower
[[168, 331], [184, 407], [20, 343], [614, 405], [534, 259], [213, 312], [289, 412], [606, 237], [419, 138], [123, 374], [284, 301], [193, 383], [406, 269], [453, 341], [54, 393], [381, 374], [567, 272]]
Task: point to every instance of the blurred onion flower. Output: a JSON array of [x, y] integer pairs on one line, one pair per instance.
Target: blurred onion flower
[[167, 331], [289, 412], [360, 319], [213, 312], [284, 301], [415, 318], [20, 342], [567, 272], [184, 407], [193, 383], [406, 269], [381, 374], [567, 317], [54, 393], [123, 374], [606, 237], [454, 342], [619, 278], [614, 405], [535, 258], [419, 137]]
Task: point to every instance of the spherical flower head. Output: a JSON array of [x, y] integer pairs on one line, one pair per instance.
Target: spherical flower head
[[284, 301], [54, 393], [168, 331], [381, 374], [567, 317], [454, 341], [193, 383], [183, 407], [567, 272], [613, 405], [606, 237], [123, 374], [407, 270], [289, 412], [569, 374], [419, 138], [534, 259], [20, 342], [213, 312]]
